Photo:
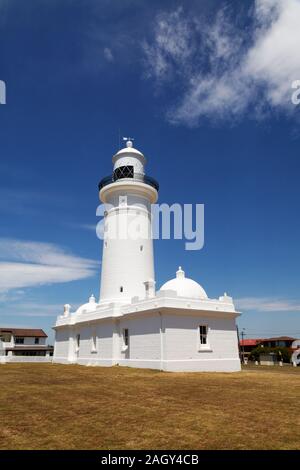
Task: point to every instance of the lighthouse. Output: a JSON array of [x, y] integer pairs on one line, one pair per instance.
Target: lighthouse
[[176, 327], [127, 259]]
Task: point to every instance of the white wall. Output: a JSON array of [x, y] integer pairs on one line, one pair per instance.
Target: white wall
[[182, 349], [103, 331], [144, 337], [29, 341], [65, 349], [181, 339], [177, 349], [8, 359], [61, 344]]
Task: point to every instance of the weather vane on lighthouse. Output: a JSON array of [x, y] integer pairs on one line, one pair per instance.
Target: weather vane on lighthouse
[[129, 141]]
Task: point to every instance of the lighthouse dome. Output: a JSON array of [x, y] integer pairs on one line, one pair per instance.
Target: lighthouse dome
[[128, 162], [90, 306], [185, 287]]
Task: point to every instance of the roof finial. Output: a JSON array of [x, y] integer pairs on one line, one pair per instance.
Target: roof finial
[[129, 141], [67, 308], [180, 273]]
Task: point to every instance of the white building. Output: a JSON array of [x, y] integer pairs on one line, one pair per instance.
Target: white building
[[23, 344], [176, 328]]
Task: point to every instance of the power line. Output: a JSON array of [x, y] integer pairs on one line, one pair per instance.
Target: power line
[[269, 334], [278, 331]]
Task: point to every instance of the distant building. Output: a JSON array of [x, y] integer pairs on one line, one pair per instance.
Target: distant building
[[24, 342], [278, 342], [247, 345]]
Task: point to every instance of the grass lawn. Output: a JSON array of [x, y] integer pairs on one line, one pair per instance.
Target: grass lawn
[[45, 406]]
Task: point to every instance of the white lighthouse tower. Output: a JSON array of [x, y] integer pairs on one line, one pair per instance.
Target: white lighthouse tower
[[127, 261]]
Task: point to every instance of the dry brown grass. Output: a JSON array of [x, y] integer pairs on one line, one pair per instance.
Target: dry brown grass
[[44, 406]]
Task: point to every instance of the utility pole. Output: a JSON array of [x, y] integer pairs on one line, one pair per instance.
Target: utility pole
[[239, 342], [243, 348]]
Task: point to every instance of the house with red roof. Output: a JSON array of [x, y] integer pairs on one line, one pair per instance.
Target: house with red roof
[[247, 345], [23, 342]]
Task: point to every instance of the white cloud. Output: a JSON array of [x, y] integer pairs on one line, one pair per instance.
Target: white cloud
[[91, 227], [31, 309], [27, 264], [265, 304], [274, 59], [222, 70], [108, 54], [172, 43]]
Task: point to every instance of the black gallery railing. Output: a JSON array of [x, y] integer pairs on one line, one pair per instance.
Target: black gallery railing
[[137, 177]]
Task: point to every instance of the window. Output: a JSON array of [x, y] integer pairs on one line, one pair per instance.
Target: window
[[36, 340], [203, 334], [19, 340], [141, 248], [121, 289], [6, 337], [125, 337], [77, 341], [123, 172], [94, 342]]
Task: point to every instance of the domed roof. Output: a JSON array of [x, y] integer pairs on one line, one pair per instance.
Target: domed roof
[[129, 150], [90, 306], [185, 287]]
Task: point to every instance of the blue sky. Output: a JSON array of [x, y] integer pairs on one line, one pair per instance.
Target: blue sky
[[205, 89]]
